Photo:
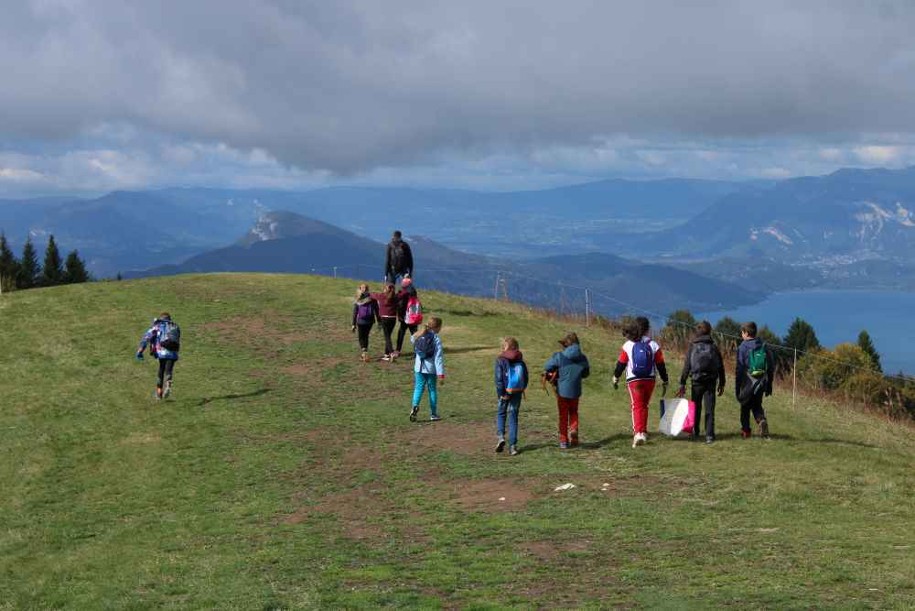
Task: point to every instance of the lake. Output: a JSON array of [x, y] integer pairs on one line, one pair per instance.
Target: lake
[[838, 316]]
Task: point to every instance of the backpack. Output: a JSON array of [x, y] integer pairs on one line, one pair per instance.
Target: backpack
[[642, 359], [414, 313], [758, 362], [169, 335], [365, 311], [397, 255], [424, 346], [516, 381], [703, 362]]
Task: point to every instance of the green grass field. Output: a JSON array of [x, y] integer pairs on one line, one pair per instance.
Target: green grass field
[[284, 473]]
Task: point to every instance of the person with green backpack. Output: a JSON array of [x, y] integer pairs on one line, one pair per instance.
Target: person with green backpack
[[753, 379]]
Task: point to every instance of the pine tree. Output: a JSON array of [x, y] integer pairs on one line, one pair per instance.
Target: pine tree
[[75, 269], [28, 266], [801, 336], [9, 266], [52, 271], [867, 345]]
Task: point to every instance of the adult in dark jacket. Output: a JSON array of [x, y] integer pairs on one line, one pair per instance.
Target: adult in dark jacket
[[398, 259], [749, 385], [509, 391], [705, 367], [571, 366]]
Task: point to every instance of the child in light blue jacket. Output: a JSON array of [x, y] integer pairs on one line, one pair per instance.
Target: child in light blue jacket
[[428, 367]]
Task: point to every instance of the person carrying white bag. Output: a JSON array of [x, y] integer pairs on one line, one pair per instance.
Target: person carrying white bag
[[705, 367]]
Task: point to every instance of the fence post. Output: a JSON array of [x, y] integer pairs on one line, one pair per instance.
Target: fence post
[[335, 272], [588, 307], [495, 290], [794, 382]]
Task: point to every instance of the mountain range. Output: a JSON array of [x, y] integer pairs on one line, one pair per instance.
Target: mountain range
[[285, 242], [852, 228]]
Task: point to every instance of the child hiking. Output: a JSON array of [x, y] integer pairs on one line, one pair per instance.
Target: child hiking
[[409, 312], [511, 380], [570, 366], [641, 358], [705, 367], [387, 313], [164, 341], [365, 313], [753, 379], [428, 367]]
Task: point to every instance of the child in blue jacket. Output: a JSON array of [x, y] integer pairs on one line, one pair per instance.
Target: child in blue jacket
[[163, 339], [511, 380], [428, 367]]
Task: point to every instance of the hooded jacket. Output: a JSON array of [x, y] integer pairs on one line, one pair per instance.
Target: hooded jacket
[[365, 299], [703, 376], [403, 296], [573, 366], [385, 309], [503, 361], [741, 376]]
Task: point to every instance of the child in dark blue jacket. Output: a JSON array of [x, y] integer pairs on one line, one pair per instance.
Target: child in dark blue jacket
[[511, 380], [753, 379]]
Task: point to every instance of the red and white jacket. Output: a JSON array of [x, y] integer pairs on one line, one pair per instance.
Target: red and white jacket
[[625, 361]]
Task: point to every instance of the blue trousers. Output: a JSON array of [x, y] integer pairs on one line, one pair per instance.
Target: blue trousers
[[421, 382], [509, 407]]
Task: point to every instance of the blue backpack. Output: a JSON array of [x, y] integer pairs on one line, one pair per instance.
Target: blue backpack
[[169, 335], [424, 346], [642, 360], [516, 381]]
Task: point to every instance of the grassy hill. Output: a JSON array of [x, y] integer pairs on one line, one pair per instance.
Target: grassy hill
[[284, 473]]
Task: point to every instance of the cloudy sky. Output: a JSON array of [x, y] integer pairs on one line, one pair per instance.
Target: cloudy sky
[[492, 94]]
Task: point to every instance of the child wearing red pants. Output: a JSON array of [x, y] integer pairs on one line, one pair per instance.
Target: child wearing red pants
[[571, 366], [641, 358]]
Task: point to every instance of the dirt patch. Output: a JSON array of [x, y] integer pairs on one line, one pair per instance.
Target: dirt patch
[[247, 330], [550, 551], [491, 495], [462, 438], [352, 510]]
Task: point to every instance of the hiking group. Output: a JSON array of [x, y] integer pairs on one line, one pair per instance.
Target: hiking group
[[641, 359]]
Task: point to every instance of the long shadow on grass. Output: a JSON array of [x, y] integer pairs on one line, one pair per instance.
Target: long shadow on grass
[[586, 445], [253, 393]]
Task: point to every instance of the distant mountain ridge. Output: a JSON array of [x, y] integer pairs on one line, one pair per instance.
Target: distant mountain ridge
[[285, 242]]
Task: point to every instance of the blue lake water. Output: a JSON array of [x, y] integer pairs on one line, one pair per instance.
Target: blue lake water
[[838, 316]]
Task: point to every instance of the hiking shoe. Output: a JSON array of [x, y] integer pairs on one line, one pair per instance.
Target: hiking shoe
[[563, 445], [764, 429], [512, 450], [501, 445], [573, 438], [413, 412], [435, 418]]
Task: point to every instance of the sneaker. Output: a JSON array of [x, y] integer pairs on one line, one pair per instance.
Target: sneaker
[[386, 357], [413, 412], [365, 357], [639, 439], [764, 429], [435, 417], [573, 438], [501, 445], [167, 390], [512, 450], [745, 433], [709, 440], [158, 394], [563, 445]]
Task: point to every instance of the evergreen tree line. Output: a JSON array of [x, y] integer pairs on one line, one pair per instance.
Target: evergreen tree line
[[26, 272], [851, 369]]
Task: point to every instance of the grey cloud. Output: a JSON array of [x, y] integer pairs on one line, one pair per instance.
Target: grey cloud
[[351, 86]]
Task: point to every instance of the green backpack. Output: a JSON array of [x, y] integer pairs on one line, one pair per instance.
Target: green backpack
[[758, 362]]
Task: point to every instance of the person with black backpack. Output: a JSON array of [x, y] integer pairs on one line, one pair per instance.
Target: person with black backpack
[[705, 367], [641, 358], [164, 341], [753, 379], [398, 259], [428, 367]]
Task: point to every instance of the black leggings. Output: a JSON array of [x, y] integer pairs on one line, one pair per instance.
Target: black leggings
[[166, 367], [387, 326], [402, 331], [364, 331]]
